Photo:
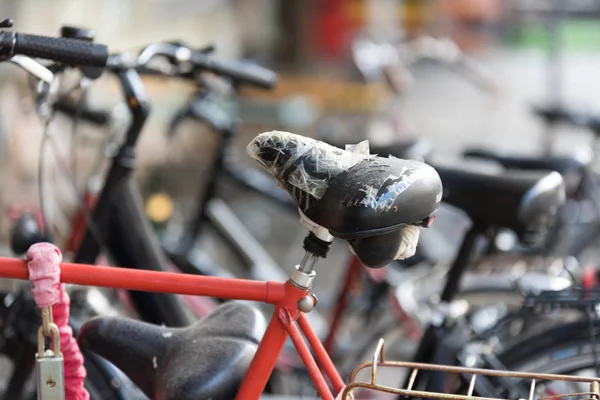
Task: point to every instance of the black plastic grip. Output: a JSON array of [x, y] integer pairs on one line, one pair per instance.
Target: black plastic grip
[[72, 52], [239, 71]]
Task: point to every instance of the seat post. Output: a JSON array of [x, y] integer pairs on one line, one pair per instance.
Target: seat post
[[461, 262], [315, 247]]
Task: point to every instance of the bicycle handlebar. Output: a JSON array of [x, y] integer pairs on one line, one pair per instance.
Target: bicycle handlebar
[[68, 51], [373, 58], [238, 71]]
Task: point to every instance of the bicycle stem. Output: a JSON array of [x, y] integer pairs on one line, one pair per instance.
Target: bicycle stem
[[123, 162]]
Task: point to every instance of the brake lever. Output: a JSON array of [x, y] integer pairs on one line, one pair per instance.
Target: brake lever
[[33, 67], [175, 52]]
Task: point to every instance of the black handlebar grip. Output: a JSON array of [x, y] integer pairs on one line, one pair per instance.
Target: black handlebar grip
[[72, 52], [239, 71]]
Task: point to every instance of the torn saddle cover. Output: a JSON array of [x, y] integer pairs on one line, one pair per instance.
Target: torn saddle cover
[[349, 192]]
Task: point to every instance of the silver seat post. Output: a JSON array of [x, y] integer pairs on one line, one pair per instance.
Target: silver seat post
[[316, 246], [308, 262]]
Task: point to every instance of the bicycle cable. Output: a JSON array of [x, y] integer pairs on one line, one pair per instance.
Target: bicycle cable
[[91, 225], [41, 158]]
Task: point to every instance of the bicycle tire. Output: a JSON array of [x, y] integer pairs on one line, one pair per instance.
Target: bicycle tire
[[388, 329], [559, 350], [563, 349]]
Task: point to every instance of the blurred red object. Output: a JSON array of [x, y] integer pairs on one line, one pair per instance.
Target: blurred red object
[[337, 22], [333, 28]]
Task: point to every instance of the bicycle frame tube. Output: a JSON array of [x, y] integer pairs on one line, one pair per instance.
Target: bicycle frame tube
[[119, 217], [352, 272], [134, 244], [79, 223], [287, 321], [261, 184], [205, 110], [122, 165], [430, 341]]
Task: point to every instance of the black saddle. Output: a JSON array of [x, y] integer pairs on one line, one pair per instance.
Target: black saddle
[[524, 201], [206, 360], [570, 168], [354, 195]]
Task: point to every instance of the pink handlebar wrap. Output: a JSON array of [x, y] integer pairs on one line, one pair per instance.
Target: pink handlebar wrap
[[43, 263]]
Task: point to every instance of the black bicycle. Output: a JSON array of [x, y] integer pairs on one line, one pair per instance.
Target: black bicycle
[[578, 227], [119, 208]]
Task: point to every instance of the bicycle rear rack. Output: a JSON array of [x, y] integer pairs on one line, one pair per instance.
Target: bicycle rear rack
[[471, 373]]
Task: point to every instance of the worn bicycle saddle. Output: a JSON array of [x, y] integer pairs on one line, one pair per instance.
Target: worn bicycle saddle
[[524, 201], [364, 199], [570, 168], [206, 360]]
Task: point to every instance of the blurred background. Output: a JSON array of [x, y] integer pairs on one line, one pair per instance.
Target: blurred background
[[529, 52]]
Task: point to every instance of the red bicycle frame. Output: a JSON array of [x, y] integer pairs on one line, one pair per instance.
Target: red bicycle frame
[[352, 275], [287, 320]]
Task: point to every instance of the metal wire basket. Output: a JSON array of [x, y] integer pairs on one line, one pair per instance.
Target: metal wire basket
[[470, 373]]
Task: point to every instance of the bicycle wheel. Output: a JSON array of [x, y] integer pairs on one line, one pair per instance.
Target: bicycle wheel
[[563, 349], [399, 347]]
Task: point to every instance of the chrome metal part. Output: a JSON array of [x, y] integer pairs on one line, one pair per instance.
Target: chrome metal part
[[306, 304], [50, 372], [302, 279], [308, 262]]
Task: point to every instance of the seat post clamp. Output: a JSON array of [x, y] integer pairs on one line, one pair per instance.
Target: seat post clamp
[[301, 279]]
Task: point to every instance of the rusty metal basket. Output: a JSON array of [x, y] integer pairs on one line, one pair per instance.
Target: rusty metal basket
[[471, 373]]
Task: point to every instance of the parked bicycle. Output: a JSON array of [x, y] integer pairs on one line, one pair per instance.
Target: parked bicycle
[[529, 207], [204, 108], [236, 358], [576, 231]]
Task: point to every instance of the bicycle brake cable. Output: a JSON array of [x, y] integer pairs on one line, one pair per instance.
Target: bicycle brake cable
[[45, 228], [94, 231]]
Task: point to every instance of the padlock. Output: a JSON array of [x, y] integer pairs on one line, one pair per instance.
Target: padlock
[[50, 367]]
